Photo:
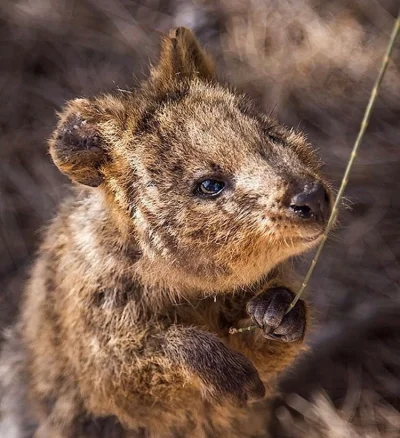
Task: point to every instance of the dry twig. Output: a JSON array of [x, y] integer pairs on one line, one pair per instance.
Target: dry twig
[[343, 185]]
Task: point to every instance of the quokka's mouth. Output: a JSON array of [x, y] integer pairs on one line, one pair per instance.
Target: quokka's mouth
[[311, 239], [307, 236]]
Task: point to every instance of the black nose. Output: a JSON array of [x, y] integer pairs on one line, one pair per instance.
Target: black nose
[[312, 202]]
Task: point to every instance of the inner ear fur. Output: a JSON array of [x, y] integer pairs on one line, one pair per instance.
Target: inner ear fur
[[77, 146], [182, 58]]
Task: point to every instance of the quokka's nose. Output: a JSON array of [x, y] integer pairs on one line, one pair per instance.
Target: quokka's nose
[[311, 203]]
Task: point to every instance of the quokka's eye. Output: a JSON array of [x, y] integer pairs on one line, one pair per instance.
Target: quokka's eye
[[210, 188], [274, 138]]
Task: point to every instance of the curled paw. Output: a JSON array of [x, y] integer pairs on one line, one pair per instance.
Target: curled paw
[[268, 311]]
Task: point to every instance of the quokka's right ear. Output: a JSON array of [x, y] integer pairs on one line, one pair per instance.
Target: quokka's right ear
[[181, 57], [77, 146]]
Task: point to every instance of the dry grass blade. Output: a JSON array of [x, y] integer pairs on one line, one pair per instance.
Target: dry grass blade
[[343, 185]]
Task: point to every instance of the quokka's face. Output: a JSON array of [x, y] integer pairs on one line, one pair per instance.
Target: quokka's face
[[224, 186], [213, 188]]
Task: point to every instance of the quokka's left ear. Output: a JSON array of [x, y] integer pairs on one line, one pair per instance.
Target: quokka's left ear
[[81, 142], [182, 58]]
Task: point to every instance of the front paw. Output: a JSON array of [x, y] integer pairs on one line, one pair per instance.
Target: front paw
[[224, 374], [232, 376], [268, 309]]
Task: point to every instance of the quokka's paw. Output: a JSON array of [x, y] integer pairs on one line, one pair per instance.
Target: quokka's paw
[[235, 378], [224, 374], [267, 310]]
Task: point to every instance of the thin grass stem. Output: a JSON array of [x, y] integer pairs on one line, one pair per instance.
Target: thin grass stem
[[343, 185]]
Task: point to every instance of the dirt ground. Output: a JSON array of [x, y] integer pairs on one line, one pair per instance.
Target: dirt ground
[[311, 62]]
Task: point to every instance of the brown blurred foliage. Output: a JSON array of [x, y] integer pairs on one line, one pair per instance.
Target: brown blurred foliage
[[312, 63]]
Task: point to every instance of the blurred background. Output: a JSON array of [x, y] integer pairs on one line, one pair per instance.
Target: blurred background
[[313, 63]]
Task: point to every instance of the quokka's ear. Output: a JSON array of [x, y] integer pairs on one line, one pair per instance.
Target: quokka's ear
[[182, 57], [77, 146]]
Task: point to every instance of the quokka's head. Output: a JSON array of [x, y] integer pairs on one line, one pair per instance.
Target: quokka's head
[[214, 189]]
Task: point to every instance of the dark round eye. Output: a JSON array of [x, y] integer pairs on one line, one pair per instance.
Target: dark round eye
[[210, 187], [274, 138]]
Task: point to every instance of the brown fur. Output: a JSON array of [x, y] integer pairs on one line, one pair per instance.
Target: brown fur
[[127, 311]]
